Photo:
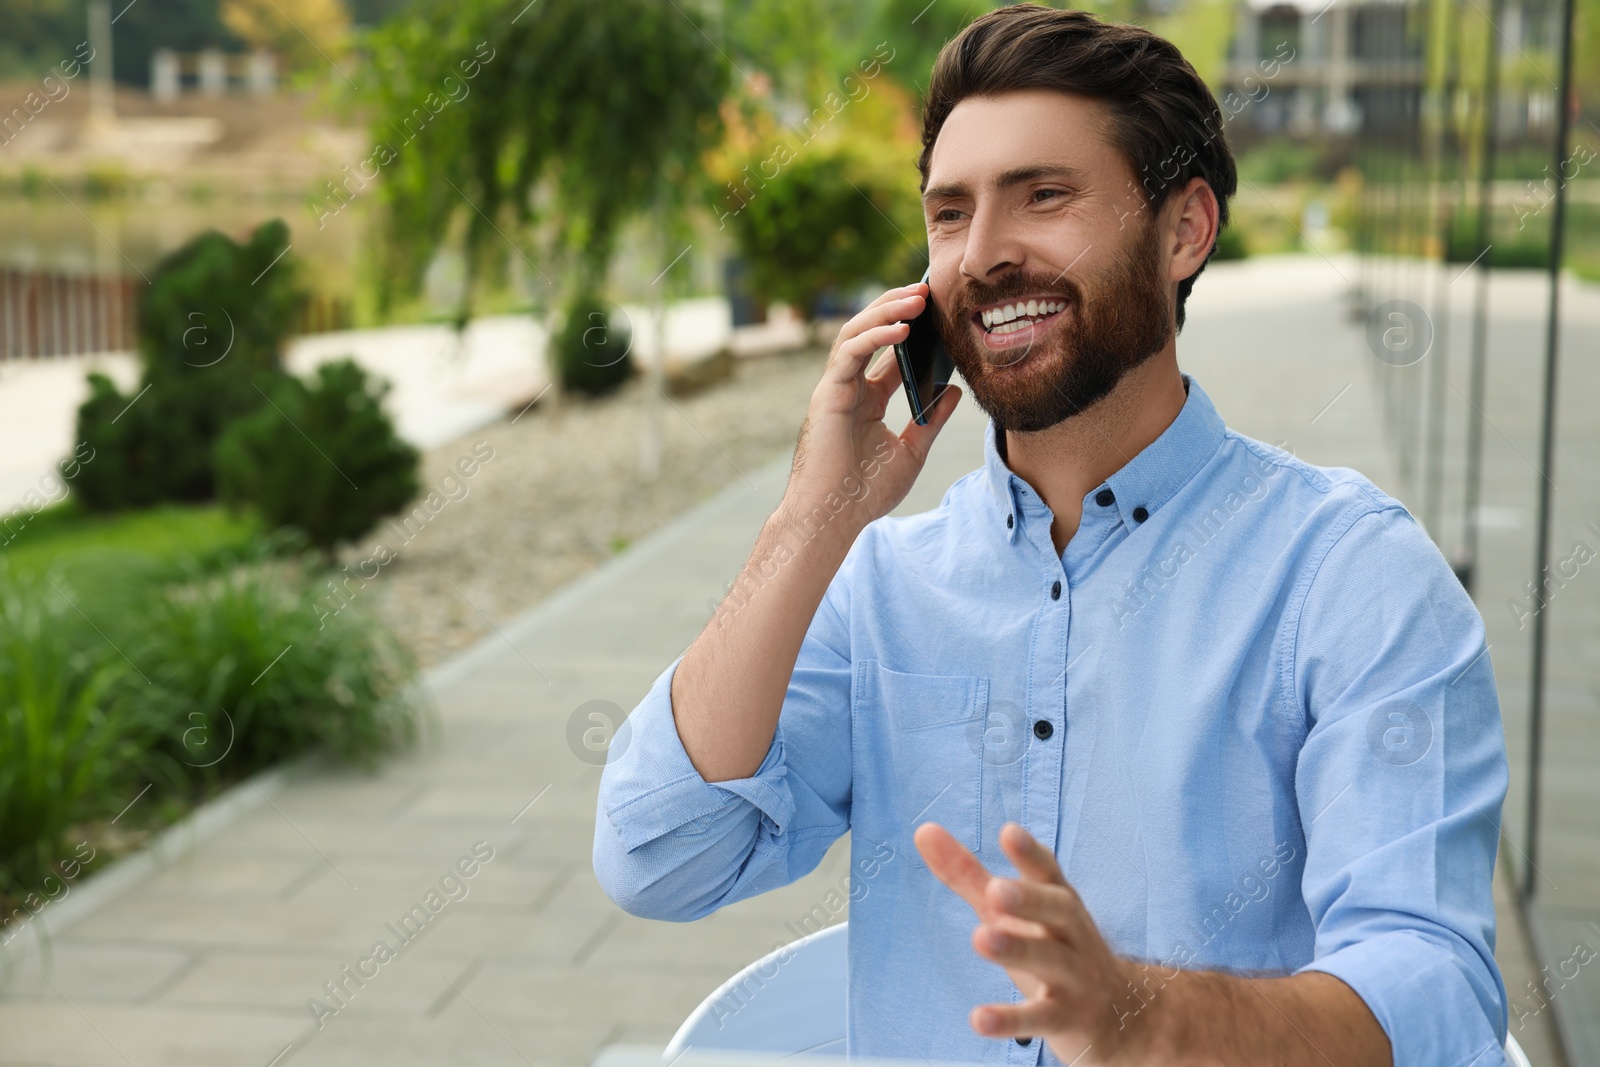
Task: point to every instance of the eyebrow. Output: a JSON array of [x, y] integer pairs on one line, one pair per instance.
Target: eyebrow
[[1007, 179]]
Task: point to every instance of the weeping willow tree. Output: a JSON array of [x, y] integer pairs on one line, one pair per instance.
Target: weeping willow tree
[[536, 131]]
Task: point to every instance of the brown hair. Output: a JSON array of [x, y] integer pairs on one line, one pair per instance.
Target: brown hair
[[1162, 115]]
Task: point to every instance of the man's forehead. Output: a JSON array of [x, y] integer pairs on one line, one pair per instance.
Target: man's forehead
[[1024, 135]]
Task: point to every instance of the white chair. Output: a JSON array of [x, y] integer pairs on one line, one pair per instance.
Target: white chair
[[790, 1001], [797, 1007]]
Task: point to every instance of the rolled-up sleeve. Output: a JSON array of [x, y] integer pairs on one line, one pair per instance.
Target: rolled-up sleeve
[[670, 845], [1400, 783]]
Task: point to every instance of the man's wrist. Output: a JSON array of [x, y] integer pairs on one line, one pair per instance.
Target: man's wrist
[[834, 521], [1134, 1035]]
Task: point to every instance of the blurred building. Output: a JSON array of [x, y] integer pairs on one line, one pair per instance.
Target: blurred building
[[1311, 68]]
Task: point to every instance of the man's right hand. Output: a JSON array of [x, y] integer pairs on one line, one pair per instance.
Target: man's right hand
[[843, 441]]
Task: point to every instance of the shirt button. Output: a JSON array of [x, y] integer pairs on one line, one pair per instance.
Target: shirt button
[[1042, 729], [1023, 1041], [1105, 498], [1009, 519], [1055, 591], [1140, 514]]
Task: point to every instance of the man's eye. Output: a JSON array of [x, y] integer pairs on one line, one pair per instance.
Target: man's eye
[[944, 214], [1048, 192]]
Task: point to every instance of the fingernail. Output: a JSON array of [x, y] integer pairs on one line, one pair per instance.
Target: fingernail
[[999, 940], [1009, 894]]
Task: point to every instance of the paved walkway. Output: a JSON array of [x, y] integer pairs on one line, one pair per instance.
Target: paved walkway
[[214, 959]]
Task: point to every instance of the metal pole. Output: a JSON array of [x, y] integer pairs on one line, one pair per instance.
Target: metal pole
[[1547, 447], [102, 106], [1467, 568], [1433, 477]]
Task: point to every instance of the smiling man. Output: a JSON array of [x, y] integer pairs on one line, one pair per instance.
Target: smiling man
[[1184, 750]]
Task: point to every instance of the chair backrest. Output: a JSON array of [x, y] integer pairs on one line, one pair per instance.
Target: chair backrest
[[792, 1000]]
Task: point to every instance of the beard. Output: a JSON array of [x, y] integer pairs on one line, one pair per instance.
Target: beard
[[1123, 320]]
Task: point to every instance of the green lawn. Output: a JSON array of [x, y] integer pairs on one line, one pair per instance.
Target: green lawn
[[67, 534]]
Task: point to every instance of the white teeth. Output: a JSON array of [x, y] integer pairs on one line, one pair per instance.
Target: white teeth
[[998, 319]]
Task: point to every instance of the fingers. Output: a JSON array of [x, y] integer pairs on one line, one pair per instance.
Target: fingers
[[952, 863], [1040, 953], [886, 368], [853, 352], [1054, 906], [889, 312], [903, 303], [1023, 1019], [1031, 858], [897, 293]]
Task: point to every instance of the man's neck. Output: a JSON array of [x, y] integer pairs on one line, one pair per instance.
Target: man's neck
[[1065, 461]]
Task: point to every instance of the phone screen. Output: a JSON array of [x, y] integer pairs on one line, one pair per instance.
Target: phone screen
[[925, 364]]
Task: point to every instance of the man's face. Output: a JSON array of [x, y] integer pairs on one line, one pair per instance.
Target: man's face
[[1027, 204]]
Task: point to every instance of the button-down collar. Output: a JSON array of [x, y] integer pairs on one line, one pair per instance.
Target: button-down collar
[[1147, 481]]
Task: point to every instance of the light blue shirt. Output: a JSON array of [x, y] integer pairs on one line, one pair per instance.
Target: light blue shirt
[[1250, 707]]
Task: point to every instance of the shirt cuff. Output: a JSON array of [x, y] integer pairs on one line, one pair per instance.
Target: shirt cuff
[[1420, 997], [650, 788]]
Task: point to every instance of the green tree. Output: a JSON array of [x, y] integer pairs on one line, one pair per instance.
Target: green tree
[[917, 30], [806, 46], [548, 125]]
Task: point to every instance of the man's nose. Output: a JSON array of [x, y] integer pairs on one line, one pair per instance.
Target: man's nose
[[994, 245]]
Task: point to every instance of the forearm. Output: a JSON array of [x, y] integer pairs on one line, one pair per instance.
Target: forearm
[[729, 689], [1198, 1017]]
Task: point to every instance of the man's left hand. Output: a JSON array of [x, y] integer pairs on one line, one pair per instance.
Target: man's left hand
[[1037, 928]]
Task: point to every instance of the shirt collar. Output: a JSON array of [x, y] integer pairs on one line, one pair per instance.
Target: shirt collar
[[1146, 481]]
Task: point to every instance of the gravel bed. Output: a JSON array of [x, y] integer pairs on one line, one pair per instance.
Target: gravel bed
[[561, 491]]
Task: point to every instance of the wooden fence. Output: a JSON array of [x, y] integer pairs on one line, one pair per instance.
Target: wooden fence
[[49, 314], [45, 314]]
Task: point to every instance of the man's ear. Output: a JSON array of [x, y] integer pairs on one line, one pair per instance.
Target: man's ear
[[1194, 228]]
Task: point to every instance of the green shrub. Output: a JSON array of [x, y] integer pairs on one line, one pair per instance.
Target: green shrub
[[248, 671], [821, 222], [591, 354], [1276, 160], [323, 458], [211, 325], [1230, 244], [66, 748], [1529, 247]]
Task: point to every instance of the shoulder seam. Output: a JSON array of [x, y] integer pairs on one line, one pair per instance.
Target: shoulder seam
[[1313, 475], [1289, 640]]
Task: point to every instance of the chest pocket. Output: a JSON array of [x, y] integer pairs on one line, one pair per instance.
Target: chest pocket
[[920, 741]]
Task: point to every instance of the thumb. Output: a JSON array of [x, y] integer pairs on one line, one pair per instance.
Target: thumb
[[919, 438]]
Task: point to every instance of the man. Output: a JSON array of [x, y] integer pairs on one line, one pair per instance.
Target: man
[[1205, 736]]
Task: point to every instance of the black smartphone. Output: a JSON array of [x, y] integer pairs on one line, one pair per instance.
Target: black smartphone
[[925, 364]]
